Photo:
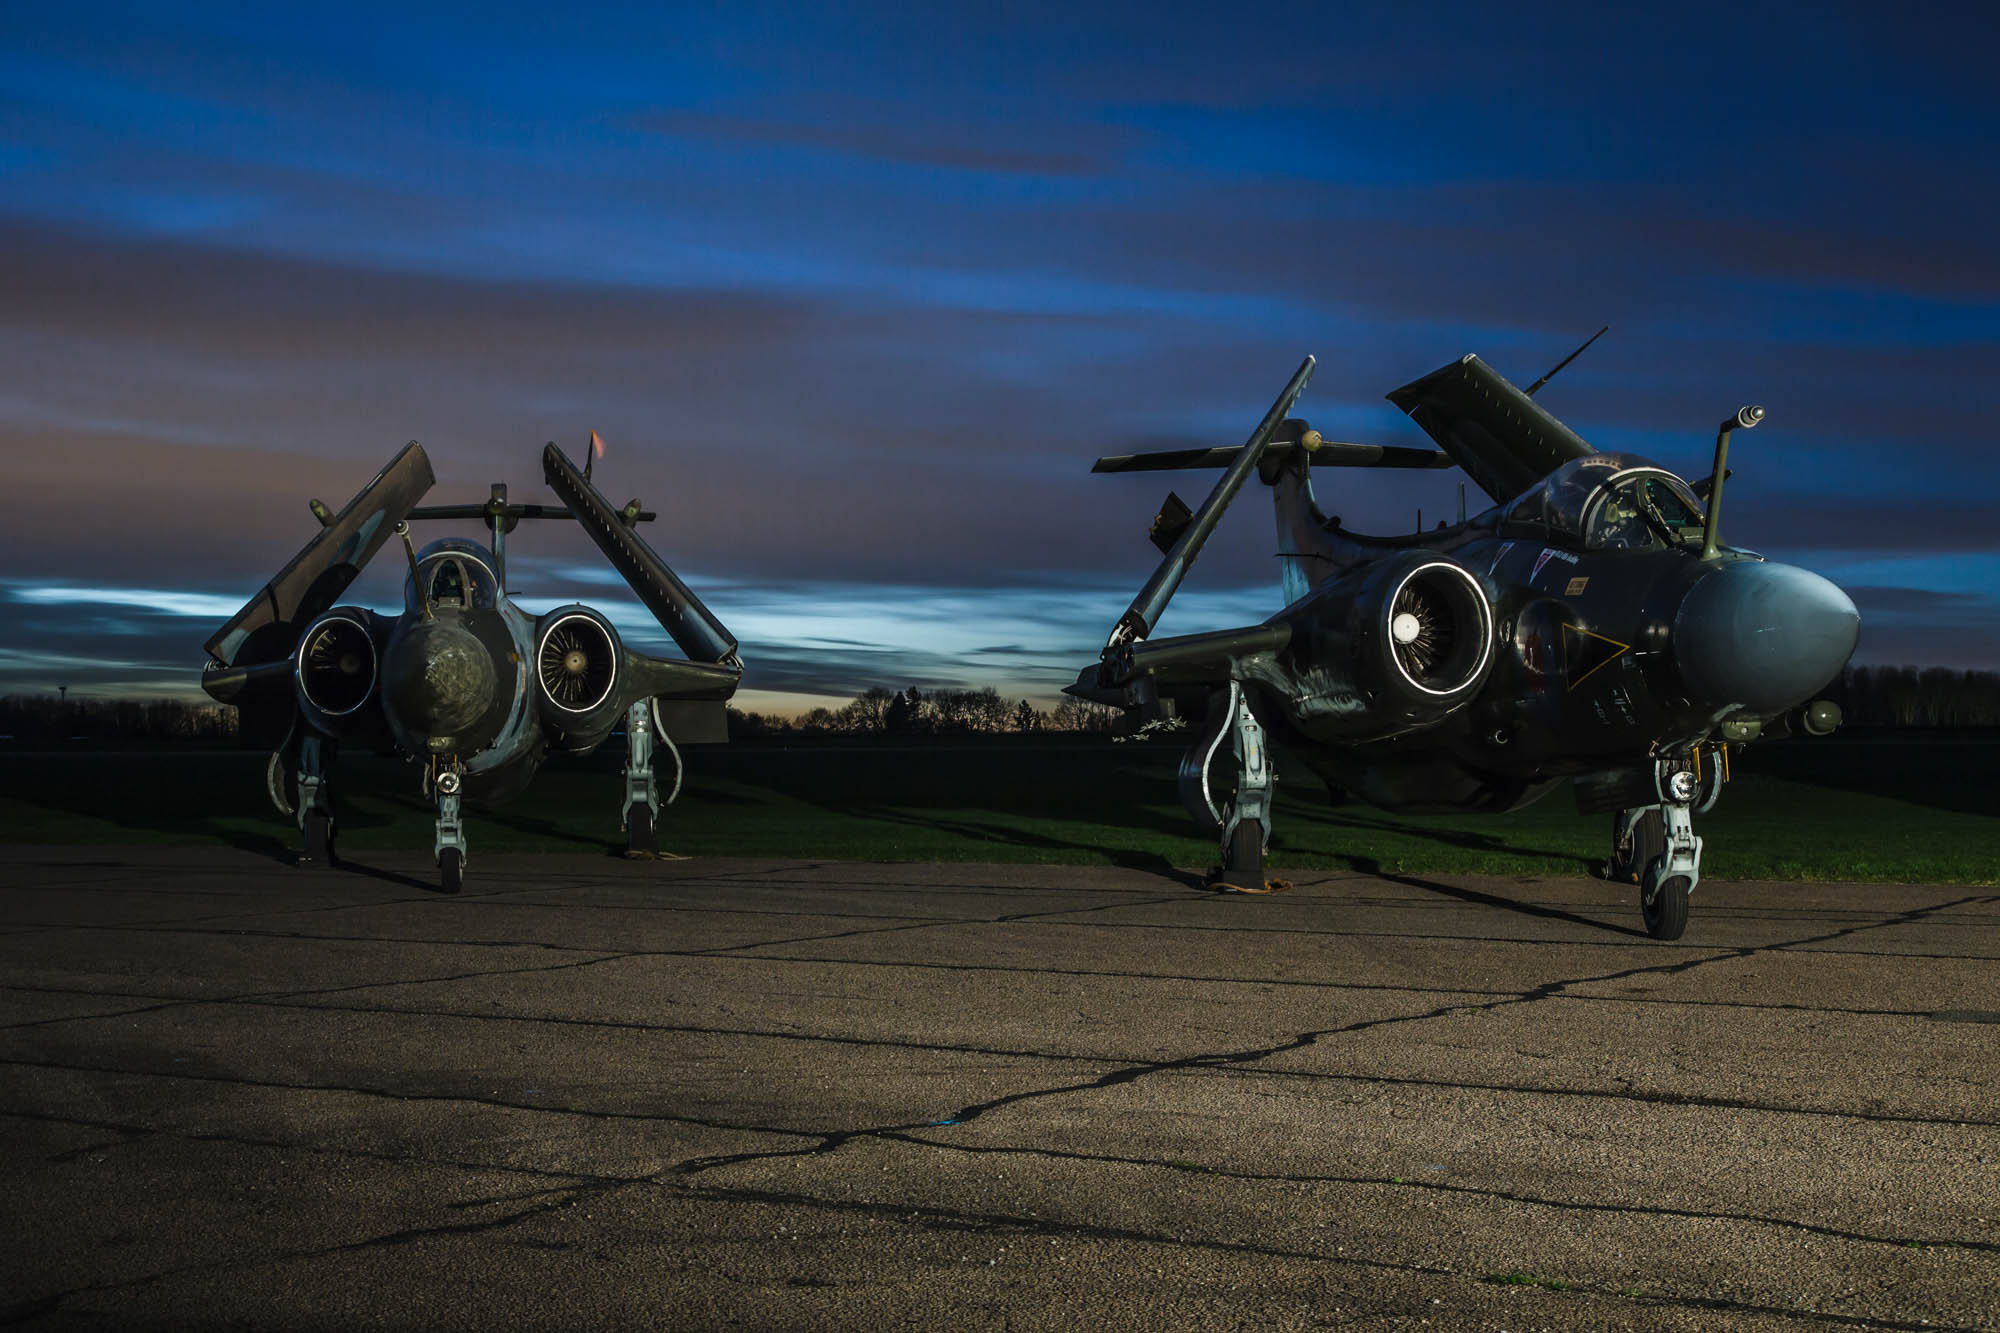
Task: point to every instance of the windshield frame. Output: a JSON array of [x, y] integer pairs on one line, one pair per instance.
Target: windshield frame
[[481, 584], [1563, 507], [1626, 479]]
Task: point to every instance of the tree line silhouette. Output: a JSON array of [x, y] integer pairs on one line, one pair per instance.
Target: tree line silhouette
[[1905, 697], [879, 711]]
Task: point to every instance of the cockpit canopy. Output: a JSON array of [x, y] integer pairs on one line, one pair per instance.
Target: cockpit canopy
[[458, 575], [1608, 502]]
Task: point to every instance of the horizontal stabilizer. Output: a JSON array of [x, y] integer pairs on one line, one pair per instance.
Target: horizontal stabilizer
[[491, 509], [700, 635], [1146, 608], [268, 625], [1328, 453]]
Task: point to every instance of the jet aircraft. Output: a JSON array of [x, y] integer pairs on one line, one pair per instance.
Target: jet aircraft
[[1590, 626], [463, 681]]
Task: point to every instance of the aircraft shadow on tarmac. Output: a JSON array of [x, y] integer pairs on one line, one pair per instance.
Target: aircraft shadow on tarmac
[[1481, 899], [1152, 863]]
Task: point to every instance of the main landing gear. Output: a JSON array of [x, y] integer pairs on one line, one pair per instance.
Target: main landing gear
[[313, 801], [1655, 847], [1242, 820], [642, 795]]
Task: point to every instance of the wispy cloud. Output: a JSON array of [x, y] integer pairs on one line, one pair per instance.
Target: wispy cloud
[[856, 297]]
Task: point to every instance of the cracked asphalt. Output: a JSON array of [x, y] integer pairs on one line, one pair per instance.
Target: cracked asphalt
[[796, 1095]]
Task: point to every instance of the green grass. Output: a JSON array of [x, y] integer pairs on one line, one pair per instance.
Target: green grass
[[1881, 808]]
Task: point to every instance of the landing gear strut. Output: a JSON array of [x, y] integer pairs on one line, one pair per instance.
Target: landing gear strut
[[642, 794], [315, 804], [447, 784], [1243, 821], [1655, 846]]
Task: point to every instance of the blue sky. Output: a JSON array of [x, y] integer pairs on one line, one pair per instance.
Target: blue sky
[[855, 295]]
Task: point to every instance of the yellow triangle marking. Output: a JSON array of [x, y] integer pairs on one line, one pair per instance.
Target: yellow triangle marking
[[1609, 658]]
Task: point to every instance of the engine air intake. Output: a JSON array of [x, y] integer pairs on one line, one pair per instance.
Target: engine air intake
[[1440, 629], [577, 663], [337, 665]]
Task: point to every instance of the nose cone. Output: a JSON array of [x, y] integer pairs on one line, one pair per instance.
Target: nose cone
[[438, 681], [1762, 635]]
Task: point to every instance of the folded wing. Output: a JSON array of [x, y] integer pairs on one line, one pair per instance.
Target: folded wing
[[268, 626]]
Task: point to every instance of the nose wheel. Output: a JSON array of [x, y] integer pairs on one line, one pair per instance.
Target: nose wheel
[[1655, 847], [447, 782], [1666, 907]]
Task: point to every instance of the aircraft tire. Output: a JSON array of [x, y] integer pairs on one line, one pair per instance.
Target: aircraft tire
[[451, 869], [1246, 848], [319, 839], [1667, 915], [639, 835], [281, 781], [1649, 841], [1242, 870]]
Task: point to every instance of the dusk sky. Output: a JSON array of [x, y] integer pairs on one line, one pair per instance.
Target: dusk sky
[[856, 295]]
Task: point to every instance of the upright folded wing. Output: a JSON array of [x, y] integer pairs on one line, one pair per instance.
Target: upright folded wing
[[693, 626], [268, 625], [1505, 441]]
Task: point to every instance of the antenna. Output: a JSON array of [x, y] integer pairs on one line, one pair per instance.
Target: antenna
[[1530, 390]]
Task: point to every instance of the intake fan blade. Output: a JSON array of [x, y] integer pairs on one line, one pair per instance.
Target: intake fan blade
[[1440, 628], [337, 665], [577, 663], [1432, 632]]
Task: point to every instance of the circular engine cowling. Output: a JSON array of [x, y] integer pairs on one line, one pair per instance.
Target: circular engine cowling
[[1415, 644], [578, 658], [337, 664]]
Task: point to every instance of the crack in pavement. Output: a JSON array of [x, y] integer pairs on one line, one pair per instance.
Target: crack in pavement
[[683, 1177], [132, 1133], [1394, 1182], [833, 1141], [43, 1305], [389, 1094], [933, 1216]]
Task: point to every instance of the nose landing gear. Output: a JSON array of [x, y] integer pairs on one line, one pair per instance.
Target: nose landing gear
[[1655, 846], [446, 780]]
